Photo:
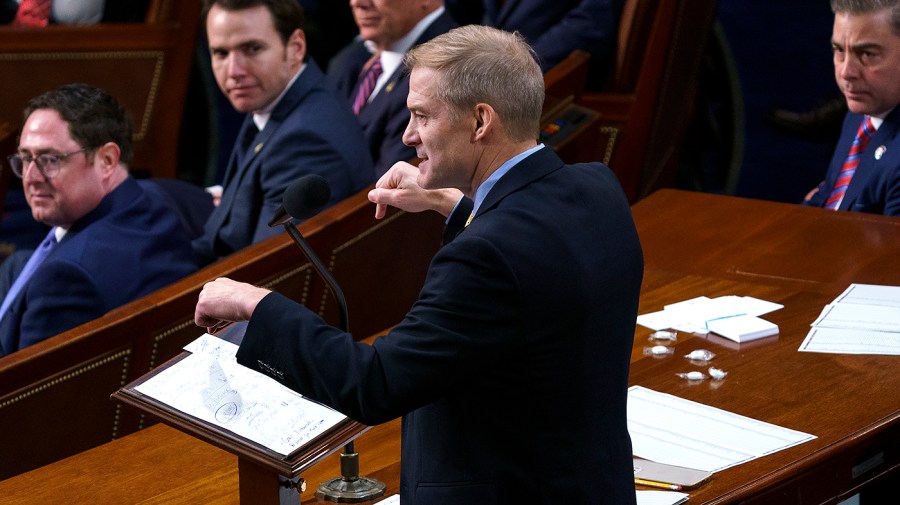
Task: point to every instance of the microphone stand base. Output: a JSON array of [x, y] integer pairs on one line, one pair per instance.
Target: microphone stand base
[[340, 490]]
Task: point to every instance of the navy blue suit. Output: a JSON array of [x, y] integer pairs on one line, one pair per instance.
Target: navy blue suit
[[311, 131], [385, 117], [875, 186], [555, 28], [511, 369], [127, 247]]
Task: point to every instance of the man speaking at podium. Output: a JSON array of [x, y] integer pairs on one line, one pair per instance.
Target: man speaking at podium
[[511, 369]]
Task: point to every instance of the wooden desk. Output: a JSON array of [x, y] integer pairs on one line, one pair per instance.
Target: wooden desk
[[161, 465], [849, 402], [753, 240]]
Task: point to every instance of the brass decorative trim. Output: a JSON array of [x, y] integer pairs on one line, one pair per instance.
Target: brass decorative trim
[[160, 336], [613, 133], [337, 250], [289, 274], [75, 373]]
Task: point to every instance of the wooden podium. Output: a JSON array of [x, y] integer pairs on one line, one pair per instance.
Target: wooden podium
[[265, 476]]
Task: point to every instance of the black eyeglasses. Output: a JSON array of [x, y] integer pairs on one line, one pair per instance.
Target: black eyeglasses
[[47, 164]]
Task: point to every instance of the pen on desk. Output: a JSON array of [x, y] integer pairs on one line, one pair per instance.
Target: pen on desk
[[653, 483]]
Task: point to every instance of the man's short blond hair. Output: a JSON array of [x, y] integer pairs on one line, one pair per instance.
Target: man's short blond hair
[[479, 64]]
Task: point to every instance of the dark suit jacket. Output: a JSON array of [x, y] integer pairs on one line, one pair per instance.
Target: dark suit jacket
[[875, 186], [311, 131], [511, 370], [384, 118], [127, 247], [555, 28]]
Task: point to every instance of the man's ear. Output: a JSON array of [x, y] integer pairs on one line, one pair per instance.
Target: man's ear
[[296, 47], [485, 121], [107, 156]]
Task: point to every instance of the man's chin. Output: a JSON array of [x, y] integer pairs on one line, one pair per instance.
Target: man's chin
[[858, 106]]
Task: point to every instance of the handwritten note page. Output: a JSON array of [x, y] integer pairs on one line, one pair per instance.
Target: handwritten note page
[[210, 385], [675, 431]]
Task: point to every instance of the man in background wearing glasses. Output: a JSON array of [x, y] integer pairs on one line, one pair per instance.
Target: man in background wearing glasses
[[109, 242]]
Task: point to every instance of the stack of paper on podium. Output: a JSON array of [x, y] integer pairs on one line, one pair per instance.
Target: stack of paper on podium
[[733, 317], [206, 393], [864, 319]]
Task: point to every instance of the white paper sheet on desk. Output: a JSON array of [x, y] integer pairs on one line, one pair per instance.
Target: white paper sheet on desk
[[661, 497], [210, 385], [675, 431], [692, 315], [860, 317], [870, 294], [851, 341]]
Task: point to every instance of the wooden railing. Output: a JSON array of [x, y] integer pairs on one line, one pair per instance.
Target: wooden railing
[[54, 395]]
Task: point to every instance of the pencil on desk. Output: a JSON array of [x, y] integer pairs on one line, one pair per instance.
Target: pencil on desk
[[653, 483]]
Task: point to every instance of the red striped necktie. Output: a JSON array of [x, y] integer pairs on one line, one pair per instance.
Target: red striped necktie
[[863, 136], [33, 13], [367, 84]]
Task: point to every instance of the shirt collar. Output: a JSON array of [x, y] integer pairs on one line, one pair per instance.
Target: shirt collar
[[262, 117], [486, 186], [406, 42], [876, 121]]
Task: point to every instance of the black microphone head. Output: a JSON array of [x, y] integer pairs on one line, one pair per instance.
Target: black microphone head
[[306, 196]]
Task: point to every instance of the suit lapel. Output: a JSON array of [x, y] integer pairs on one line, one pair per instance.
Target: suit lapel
[[239, 166], [535, 166], [375, 108], [237, 158], [869, 164]]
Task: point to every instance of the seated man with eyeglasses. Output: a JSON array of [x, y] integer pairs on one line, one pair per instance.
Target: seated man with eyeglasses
[[109, 242]]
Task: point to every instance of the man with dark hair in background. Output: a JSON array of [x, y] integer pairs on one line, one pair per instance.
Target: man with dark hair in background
[[296, 124], [110, 243]]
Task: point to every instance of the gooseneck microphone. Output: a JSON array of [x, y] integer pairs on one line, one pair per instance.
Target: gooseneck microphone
[[303, 199]]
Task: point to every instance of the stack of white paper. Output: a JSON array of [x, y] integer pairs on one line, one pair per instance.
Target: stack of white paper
[[743, 328], [733, 317], [864, 319]]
